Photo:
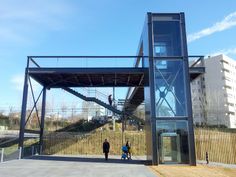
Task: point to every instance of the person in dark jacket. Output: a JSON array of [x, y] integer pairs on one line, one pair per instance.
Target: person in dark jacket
[[106, 148], [110, 99], [128, 145]]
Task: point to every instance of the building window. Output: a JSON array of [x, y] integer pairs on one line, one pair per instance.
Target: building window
[[223, 61], [225, 70], [227, 87]]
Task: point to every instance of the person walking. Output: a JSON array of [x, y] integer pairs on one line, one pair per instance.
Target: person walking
[[110, 100], [128, 145], [106, 148]]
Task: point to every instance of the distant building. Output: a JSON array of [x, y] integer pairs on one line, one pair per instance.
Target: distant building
[[91, 109], [4, 122], [214, 93]]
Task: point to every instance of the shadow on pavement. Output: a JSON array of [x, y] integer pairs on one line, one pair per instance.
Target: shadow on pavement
[[87, 159]]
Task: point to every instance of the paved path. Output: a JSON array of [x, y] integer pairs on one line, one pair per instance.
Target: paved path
[[61, 166]]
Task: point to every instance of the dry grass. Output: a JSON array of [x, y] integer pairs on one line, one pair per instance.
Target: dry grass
[[219, 143], [190, 171], [92, 143]]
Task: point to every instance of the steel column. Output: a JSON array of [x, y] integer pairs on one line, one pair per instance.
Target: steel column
[[152, 91], [2, 155], [42, 116], [192, 155], [23, 108]]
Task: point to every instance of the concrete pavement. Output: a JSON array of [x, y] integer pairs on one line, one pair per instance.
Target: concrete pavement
[[74, 166]]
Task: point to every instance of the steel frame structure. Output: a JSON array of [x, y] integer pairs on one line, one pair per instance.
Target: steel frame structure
[[136, 73], [39, 70], [142, 77]]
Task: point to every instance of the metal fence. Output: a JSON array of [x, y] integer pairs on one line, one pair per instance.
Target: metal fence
[[29, 151], [9, 153], [216, 145], [91, 143], [14, 153]]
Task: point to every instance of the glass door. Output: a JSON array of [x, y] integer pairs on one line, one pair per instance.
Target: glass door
[[170, 148]]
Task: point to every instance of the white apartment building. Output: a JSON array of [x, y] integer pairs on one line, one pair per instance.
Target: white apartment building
[[214, 93]]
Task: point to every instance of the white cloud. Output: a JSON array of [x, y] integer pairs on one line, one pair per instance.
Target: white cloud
[[230, 51], [21, 20], [18, 83], [228, 22]]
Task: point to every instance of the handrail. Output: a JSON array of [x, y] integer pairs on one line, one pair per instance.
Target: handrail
[[36, 59], [8, 141], [119, 56], [100, 94], [110, 56], [199, 60]]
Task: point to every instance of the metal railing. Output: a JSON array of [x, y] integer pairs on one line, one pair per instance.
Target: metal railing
[[15, 153], [32, 150], [10, 153], [90, 92], [82, 61], [196, 61], [102, 61]]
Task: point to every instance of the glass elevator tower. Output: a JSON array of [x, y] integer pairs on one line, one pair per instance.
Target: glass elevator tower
[[169, 125]]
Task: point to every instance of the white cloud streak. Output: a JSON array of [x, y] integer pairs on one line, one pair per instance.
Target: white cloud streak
[[18, 83], [228, 22], [230, 51]]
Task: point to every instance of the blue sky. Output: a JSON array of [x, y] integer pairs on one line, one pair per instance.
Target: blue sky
[[104, 27]]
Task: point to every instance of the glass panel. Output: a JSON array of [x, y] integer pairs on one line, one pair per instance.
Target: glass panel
[[170, 88], [167, 41], [170, 146], [172, 141]]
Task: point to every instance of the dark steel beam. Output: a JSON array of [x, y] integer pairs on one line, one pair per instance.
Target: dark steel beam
[[34, 62], [115, 80], [192, 155], [33, 108], [155, 154], [196, 70], [35, 104], [90, 80], [76, 78], [125, 70], [103, 82], [32, 131], [109, 57], [128, 80], [23, 108], [84, 57], [141, 80], [96, 85], [58, 81], [42, 116]]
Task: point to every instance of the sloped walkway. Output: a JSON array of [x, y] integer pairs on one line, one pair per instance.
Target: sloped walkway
[[74, 166]]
